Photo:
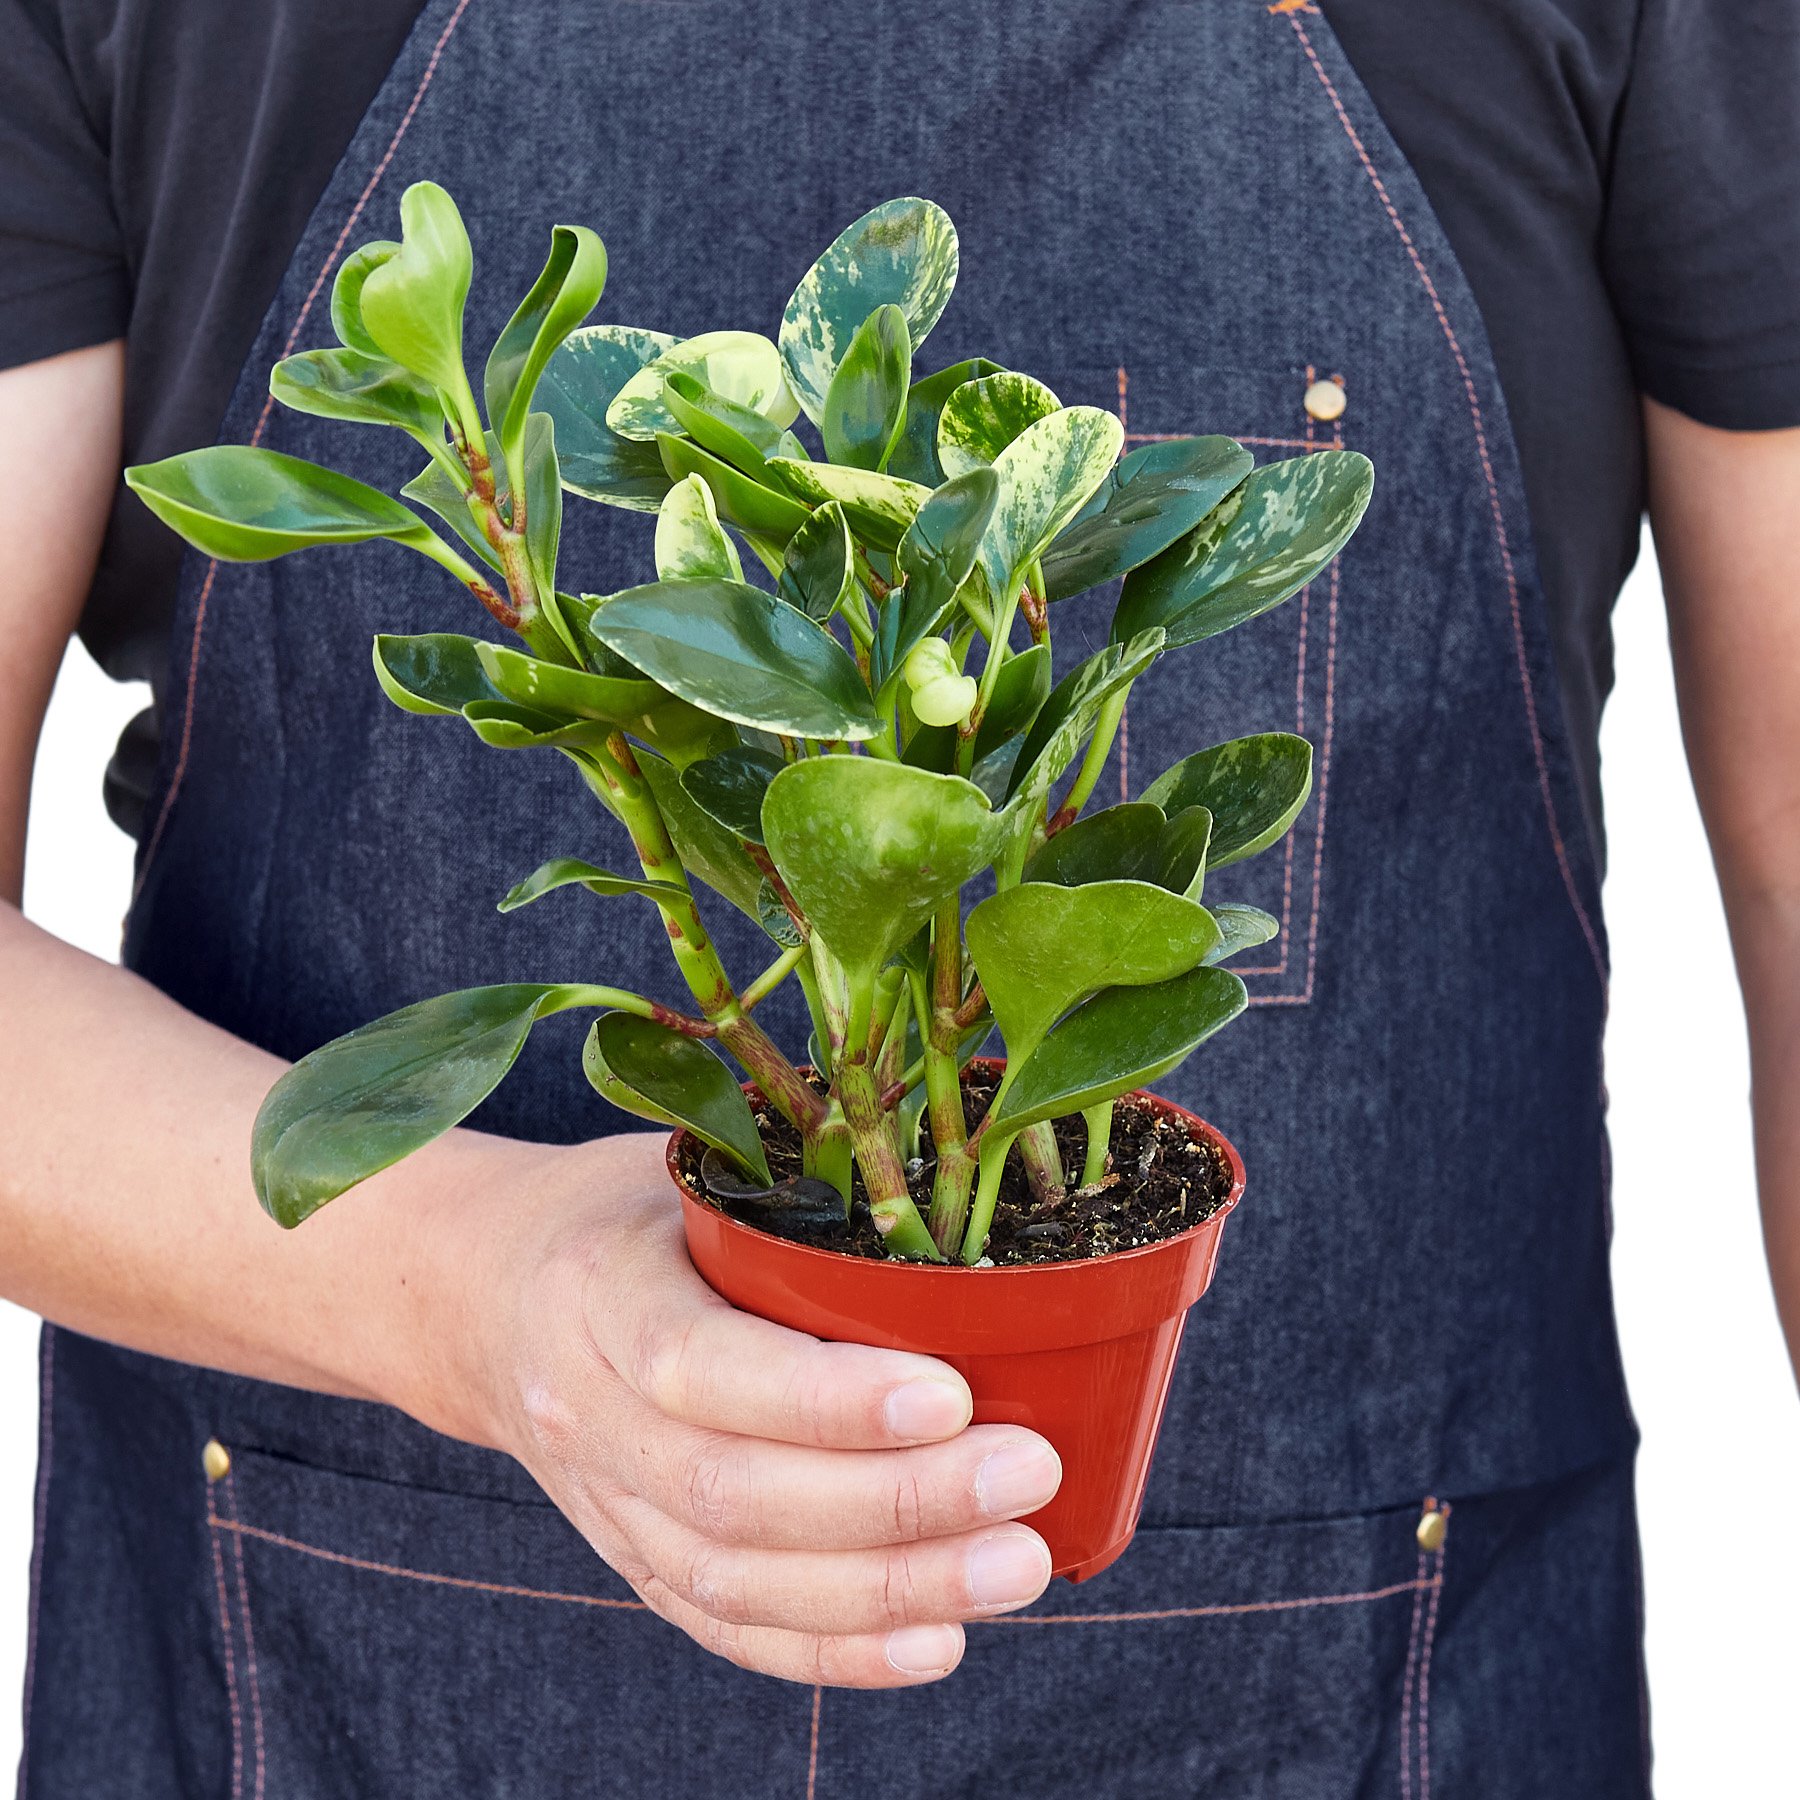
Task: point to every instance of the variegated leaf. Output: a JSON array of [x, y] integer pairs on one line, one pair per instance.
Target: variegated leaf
[[982, 417], [690, 542], [740, 366]]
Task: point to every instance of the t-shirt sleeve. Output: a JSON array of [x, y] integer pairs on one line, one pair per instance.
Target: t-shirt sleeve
[[1701, 244], [63, 280]]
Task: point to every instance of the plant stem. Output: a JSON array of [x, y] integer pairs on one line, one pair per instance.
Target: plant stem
[[772, 977], [1042, 1160], [878, 1156], [826, 1153], [994, 1146], [809, 986], [943, 1078], [1106, 728], [1099, 1141]]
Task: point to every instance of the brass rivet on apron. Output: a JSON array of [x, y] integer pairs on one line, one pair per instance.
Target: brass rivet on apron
[[1325, 401], [215, 1459], [1432, 1526]]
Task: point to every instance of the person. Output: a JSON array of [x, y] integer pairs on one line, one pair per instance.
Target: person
[[1539, 258]]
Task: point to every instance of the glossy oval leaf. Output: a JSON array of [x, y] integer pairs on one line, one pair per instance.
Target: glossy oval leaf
[[367, 390], [865, 405], [915, 454], [707, 850], [346, 294], [880, 508], [901, 253], [729, 788], [869, 849], [691, 545], [1123, 1038], [1046, 474], [243, 504], [659, 1074], [1132, 842], [568, 871], [437, 673], [818, 572], [1241, 928], [936, 556], [365, 1100], [748, 501], [740, 366], [579, 384], [412, 303], [1254, 788], [1041, 949], [745, 439], [740, 654], [561, 297], [506, 725], [559, 691], [1274, 533], [982, 417], [1155, 495]]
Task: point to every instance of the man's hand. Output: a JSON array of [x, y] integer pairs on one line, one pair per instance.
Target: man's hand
[[822, 1512]]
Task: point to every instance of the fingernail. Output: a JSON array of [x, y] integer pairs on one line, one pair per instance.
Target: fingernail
[[1008, 1569], [1017, 1479], [924, 1649], [927, 1409]]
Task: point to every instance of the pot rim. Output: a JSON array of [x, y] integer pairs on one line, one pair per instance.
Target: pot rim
[[1197, 1128]]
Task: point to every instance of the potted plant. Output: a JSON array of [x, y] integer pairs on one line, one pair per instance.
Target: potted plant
[[850, 753]]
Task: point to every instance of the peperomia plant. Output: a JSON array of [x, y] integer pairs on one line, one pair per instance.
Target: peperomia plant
[[841, 758]]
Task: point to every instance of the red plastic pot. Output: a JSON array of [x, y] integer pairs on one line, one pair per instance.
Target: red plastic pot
[[1079, 1351]]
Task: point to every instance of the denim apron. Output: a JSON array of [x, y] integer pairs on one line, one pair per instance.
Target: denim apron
[[1188, 212]]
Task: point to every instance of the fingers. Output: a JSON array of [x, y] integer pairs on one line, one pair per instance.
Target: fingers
[[694, 1358]]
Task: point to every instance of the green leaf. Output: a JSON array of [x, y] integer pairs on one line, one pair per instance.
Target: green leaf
[[1068, 716], [729, 788], [439, 672], [740, 654], [1020, 690], [566, 871], [901, 253], [366, 1100], [506, 725], [936, 556], [740, 366], [1156, 494], [915, 456], [412, 302], [743, 438], [865, 406], [561, 297], [242, 504], [659, 1074], [1046, 475], [880, 508], [578, 385], [869, 849], [1264, 543], [1041, 949], [818, 574], [982, 417], [561, 692], [543, 499], [1122, 1039], [691, 545], [1241, 928], [707, 850], [742, 499], [346, 294], [1253, 786], [1133, 842], [366, 390]]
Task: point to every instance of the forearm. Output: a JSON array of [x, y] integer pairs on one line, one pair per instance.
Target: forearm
[[126, 1209]]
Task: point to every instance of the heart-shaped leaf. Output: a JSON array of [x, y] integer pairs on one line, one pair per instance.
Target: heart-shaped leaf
[[901, 253], [1123, 1038], [1041, 949], [1020, 690], [1156, 494], [740, 654], [1264, 543], [865, 405], [366, 1100], [367, 390], [880, 508], [440, 672], [740, 366], [747, 501], [745, 439], [936, 556], [412, 303], [869, 849], [561, 297], [557, 691], [1241, 928], [729, 788], [818, 574], [1133, 842], [659, 1074], [1046, 475], [915, 456], [346, 295], [707, 850], [1254, 788], [242, 504], [567, 871], [691, 545], [578, 385], [982, 417], [1067, 717]]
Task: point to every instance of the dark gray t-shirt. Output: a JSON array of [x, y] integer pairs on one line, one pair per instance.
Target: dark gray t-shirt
[[1620, 179]]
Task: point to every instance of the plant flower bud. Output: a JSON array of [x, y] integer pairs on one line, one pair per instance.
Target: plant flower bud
[[945, 701], [928, 661]]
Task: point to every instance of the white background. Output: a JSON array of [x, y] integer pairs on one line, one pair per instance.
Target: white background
[[1720, 1475]]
